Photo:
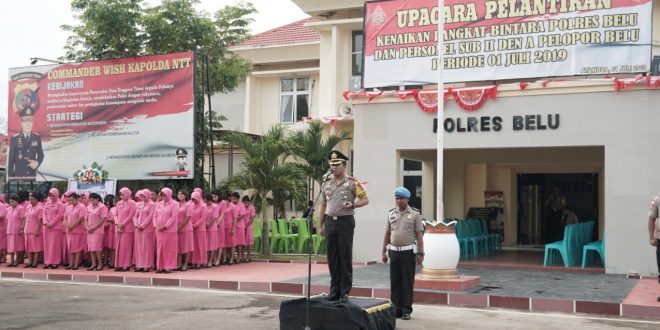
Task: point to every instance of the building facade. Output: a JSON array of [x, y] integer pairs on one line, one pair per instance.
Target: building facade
[[578, 134]]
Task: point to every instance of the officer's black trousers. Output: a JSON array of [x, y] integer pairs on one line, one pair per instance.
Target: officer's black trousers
[[402, 279], [339, 241], [657, 256]]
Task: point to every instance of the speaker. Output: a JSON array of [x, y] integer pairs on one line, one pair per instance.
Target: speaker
[[355, 314]]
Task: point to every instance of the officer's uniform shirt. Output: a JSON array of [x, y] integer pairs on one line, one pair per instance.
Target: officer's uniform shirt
[[335, 193], [653, 214], [404, 226], [23, 149]]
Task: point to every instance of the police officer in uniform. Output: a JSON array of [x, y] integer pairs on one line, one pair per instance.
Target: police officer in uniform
[[25, 151], [404, 246], [341, 195], [654, 230]]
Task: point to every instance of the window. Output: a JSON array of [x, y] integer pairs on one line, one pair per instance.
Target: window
[[294, 99], [356, 53]]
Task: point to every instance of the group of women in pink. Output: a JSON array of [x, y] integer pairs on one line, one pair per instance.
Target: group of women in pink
[[149, 231]]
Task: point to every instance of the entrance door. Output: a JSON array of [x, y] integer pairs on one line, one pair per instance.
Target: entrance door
[[544, 200], [412, 180]]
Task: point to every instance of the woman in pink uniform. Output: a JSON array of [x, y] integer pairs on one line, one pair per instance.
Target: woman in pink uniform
[[198, 221], [250, 212], [239, 231], [3, 229], [126, 209], [145, 234], [230, 228], [109, 232], [220, 203], [74, 217], [97, 212], [34, 219], [53, 236], [185, 231], [211, 221], [15, 231], [165, 222]]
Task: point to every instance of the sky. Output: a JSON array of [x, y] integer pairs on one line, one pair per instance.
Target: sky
[[31, 28]]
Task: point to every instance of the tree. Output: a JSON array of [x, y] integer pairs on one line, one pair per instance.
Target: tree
[[313, 149], [123, 28], [265, 170]]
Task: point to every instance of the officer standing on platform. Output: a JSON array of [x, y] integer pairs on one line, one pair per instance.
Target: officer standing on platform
[[341, 195], [25, 151], [654, 231], [405, 246]]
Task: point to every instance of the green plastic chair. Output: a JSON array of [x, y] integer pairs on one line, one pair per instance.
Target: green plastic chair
[[465, 232], [287, 240], [564, 248], [303, 236], [318, 241], [257, 229], [598, 247], [274, 236]]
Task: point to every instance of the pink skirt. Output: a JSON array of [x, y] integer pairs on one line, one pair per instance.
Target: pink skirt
[[212, 240], [124, 247], [229, 238], [75, 242], [34, 243], [145, 247], [221, 237], [15, 243], [95, 242], [186, 243], [249, 235], [199, 256], [109, 239], [53, 240], [239, 236], [166, 252]]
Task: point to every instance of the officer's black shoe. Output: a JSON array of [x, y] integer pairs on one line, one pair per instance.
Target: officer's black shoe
[[399, 315], [405, 316], [333, 297], [658, 299], [343, 298]]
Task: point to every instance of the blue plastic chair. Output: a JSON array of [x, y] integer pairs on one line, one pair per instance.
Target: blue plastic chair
[[565, 248], [598, 247]]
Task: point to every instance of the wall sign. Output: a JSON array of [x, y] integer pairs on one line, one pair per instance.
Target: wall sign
[[497, 123]]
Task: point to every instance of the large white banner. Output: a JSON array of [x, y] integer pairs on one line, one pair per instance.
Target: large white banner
[[129, 118], [504, 39]]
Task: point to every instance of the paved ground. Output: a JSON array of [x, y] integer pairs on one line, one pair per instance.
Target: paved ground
[[40, 305], [517, 283]]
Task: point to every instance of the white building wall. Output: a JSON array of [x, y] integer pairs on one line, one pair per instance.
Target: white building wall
[[624, 123]]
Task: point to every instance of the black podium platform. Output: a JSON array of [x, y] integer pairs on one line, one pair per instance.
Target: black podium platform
[[357, 313]]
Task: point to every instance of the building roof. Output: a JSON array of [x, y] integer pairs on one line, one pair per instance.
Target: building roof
[[290, 34]]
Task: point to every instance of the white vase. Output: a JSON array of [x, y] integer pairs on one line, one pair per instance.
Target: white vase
[[441, 251]]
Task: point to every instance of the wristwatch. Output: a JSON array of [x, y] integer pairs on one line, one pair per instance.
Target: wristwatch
[[420, 254]]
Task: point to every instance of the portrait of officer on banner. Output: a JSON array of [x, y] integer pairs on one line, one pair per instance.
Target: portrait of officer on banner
[[182, 160], [25, 150]]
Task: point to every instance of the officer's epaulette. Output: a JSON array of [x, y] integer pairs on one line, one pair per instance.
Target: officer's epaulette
[[35, 134], [391, 212], [352, 178], [415, 209], [15, 135]]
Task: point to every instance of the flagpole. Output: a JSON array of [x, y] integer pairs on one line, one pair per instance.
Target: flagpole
[[440, 209]]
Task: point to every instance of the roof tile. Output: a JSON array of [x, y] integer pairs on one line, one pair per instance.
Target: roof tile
[[290, 34]]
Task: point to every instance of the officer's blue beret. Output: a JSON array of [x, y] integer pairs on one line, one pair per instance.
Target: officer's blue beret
[[401, 192]]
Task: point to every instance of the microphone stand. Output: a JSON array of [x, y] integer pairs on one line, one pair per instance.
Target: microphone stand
[[310, 216]]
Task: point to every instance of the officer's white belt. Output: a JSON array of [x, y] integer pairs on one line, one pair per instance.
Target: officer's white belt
[[400, 248]]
